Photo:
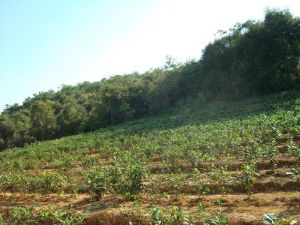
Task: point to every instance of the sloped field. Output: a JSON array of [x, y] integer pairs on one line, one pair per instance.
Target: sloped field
[[223, 162]]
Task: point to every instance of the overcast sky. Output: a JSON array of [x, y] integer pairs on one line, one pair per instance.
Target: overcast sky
[[44, 44]]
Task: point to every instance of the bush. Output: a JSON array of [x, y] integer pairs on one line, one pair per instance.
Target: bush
[[247, 176], [96, 181], [136, 175]]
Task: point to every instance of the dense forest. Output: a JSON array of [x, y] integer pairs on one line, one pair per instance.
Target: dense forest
[[253, 58]]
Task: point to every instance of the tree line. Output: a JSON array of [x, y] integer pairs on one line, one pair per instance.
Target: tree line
[[252, 58]]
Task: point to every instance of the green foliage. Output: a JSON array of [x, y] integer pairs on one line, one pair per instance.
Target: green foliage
[[49, 182], [30, 216], [157, 217], [293, 148], [52, 182], [176, 217], [2, 222], [43, 119], [247, 176], [70, 117], [14, 129], [220, 219], [136, 176], [96, 181], [65, 163], [271, 219], [22, 215], [253, 58], [271, 152], [202, 214], [125, 178], [178, 148], [223, 176], [60, 217]]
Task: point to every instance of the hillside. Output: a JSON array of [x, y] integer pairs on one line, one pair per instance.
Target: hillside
[[251, 59], [199, 162], [213, 141]]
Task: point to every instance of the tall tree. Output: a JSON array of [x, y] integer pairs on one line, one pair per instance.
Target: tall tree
[[43, 119], [22, 124], [71, 117], [7, 130]]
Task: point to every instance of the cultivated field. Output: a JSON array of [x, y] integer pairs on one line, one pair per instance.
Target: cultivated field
[[225, 163]]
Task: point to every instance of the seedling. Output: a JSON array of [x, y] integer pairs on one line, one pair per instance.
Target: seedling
[[247, 176]]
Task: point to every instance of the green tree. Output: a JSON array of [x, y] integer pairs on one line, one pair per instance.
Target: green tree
[[22, 124], [43, 119], [7, 129], [71, 117]]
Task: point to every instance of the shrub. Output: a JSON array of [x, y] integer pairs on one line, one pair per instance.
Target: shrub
[[136, 175], [96, 181], [247, 176], [52, 182]]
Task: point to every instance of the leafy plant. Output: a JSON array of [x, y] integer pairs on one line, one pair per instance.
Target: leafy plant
[[271, 219], [223, 176], [157, 217], [247, 176], [178, 217], [271, 152], [96, 181], [293, 148], [2, 222], [52, 182], [202, 214], [136, 176], [220, 219], [20, 215], [59, 217]]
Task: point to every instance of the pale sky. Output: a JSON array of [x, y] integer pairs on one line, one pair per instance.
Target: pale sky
[[44, 44]]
